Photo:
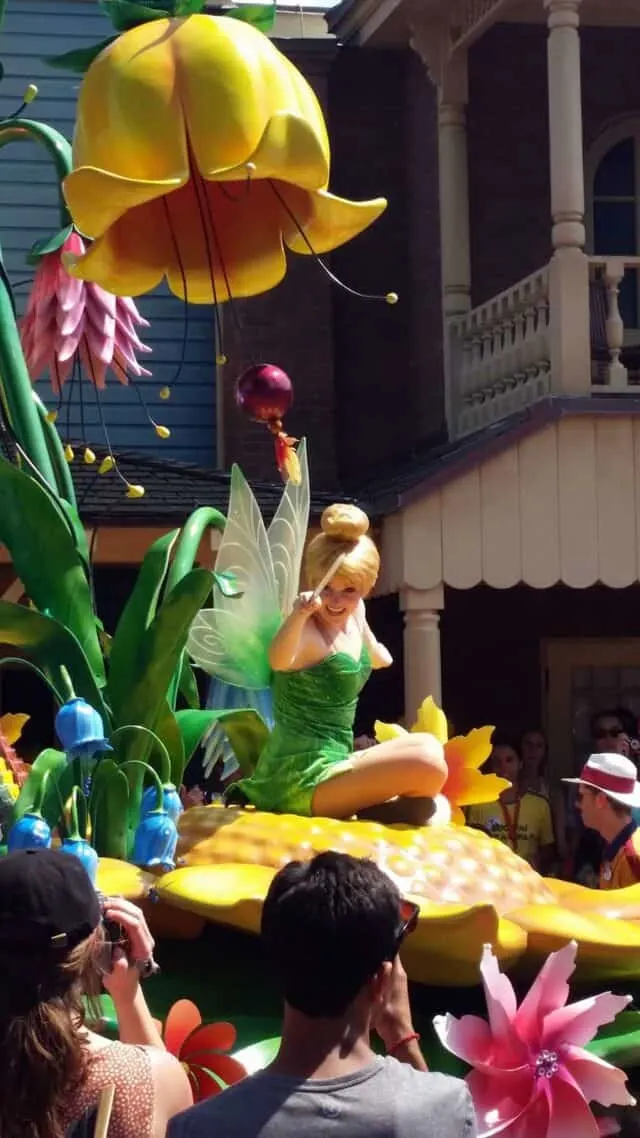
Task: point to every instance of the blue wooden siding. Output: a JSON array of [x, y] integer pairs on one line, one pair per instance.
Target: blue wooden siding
[[34, 29]]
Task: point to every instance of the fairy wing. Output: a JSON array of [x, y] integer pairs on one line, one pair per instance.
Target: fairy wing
[[287, 534], [231, 640]]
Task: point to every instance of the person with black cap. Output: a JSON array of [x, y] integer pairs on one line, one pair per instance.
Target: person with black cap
[[54, 950]]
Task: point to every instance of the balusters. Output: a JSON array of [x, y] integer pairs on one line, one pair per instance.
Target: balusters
[[617, 372]]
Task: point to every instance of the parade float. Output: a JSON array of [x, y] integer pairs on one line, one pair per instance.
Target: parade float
[[156, 188]]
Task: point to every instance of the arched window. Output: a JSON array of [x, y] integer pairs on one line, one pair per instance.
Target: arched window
[[614, 207]]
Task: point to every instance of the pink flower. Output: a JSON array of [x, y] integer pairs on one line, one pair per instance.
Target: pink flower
[[532, 1077], [68, 319]]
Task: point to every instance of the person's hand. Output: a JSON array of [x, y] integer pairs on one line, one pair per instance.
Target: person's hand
[[123, 981], [392, 1018], [306, 604]]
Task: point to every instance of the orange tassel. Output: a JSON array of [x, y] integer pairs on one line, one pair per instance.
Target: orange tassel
[[286, 458]]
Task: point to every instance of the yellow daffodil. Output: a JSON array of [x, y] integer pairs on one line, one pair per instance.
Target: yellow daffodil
[[464, 754], [200, 152]]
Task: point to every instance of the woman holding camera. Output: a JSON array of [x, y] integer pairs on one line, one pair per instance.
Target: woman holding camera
[[54, 949]]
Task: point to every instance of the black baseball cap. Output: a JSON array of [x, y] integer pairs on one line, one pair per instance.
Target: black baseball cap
[[48, 904]]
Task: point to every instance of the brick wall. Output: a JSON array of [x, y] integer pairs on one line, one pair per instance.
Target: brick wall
[[368, 377], [509, 146]]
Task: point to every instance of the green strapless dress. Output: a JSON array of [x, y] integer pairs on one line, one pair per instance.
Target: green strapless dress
[[312, 739]]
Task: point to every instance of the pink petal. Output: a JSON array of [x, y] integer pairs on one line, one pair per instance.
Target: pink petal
[[130, 307], [500, 1103], [599, 1081], [74, 244], [578, 1023], [570, 1114], [69, 290], [501, 1008], [549, 991], [183, 1018], [469, 1038]]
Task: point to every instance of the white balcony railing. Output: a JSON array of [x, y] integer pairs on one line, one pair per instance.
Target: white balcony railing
[[614, 289], [499, 355]]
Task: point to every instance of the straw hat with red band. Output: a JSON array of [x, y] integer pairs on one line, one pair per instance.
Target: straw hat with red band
[[613, 775]]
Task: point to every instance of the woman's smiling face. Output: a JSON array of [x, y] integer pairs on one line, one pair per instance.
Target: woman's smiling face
[[340, 600]]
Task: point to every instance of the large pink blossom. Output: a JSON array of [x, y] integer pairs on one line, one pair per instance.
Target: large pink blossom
[[532, 1077], [68, 319]]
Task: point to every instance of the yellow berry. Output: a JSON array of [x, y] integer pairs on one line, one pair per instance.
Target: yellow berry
[[162, 432], [89, 456], [221, 359], [164, 392], [30, 93], [106, 465], [68, 453], [391, 298], [52, 416], [134, 491]]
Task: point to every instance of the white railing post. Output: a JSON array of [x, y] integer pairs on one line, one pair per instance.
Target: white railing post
[[569, 269]]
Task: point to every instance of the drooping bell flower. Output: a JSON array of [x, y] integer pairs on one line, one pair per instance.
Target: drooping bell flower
[[84, 851], [80, 729], [167, 189], [67, 320], [29, 833], [171, 801], [155, 841]]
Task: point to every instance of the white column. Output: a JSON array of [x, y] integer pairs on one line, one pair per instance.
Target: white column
[[569, 279], [454, 187], [422, 665]]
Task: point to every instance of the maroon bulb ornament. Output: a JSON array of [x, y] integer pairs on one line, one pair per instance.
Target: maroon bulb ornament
[[265, 393]]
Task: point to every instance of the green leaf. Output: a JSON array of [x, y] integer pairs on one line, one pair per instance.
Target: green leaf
[[618, 1043], [46, 560], [160, 651], [167, 729], [3, 9], [188, 7], [78, 61], [245, 729], [188, 686], [52, 647], [108, 807], [48, 244], [126, 14], [49, 762], [139, 611], [260, 16]]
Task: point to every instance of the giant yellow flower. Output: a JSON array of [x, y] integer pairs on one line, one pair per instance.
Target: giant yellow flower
[[464, 755], [200, 152]]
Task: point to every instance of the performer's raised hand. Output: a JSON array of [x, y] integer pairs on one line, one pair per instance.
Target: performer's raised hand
[[306, 604]]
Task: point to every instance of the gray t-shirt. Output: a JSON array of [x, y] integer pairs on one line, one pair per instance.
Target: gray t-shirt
[[386, 1099]]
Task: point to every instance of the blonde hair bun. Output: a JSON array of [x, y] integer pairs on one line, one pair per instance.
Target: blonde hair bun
[[344, 523]]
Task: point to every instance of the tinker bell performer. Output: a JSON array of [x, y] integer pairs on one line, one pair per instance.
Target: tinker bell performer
[[316, 651]]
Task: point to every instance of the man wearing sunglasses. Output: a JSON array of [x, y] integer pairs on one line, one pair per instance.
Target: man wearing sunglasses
[[332, 929]]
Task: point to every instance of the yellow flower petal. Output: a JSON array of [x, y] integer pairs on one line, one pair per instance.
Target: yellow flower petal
[[457, 816], [11, 727], [327, 221], [475, 747], [475, 789], [432, 720], [384, 732]]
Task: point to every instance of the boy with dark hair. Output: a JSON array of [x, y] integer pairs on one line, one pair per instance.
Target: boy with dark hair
[[332, 929]]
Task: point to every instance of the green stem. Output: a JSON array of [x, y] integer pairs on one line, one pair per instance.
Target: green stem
[[14, 378], [159, 806], [184, 558], [64, 481], [165, 773]]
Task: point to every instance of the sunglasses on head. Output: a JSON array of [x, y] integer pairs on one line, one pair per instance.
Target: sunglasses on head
[[409, 913]]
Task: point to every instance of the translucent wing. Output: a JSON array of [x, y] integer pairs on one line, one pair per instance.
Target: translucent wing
[[232, 639], [287, 534]]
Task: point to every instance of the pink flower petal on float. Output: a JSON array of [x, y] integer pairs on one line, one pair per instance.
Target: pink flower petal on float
[[99, 344], [71, 321], [570, 1115], [599, 1081], [503, 1105], [118, 367], [578, 1023], [500, 998], [549, 991], [95, 370], [469, 1038], [131, 309], [67, 290]]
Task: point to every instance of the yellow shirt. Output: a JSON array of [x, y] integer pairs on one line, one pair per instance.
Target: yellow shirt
[[534, 823], [620, 871]]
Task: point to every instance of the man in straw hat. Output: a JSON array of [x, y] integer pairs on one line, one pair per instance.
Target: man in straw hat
[[608, 789]]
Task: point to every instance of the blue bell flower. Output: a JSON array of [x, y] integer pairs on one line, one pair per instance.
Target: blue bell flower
[[155, 841], [29, 833], [80, 729], [170, 800], [84, 852]]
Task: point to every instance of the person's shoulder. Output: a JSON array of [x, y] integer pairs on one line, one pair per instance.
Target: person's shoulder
[[538, 801], [429, 1086], [213, 1112]]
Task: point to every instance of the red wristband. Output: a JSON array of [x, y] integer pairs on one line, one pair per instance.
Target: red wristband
[[404, 1041]]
